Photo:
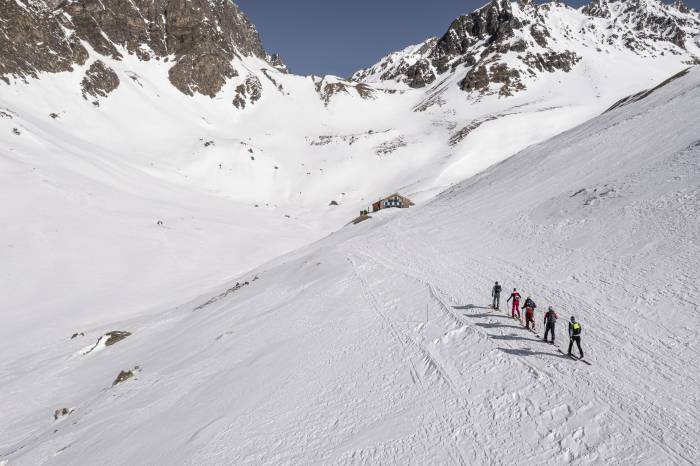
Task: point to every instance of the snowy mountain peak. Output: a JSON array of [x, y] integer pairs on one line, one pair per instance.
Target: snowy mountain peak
[[501, 46]]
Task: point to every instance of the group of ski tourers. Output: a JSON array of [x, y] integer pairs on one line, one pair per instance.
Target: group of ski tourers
[[550, 317]]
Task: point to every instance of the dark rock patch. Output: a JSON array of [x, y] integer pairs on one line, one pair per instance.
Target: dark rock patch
[[99, 81], [59, 413], [540, 34], [115, 337], [552, 61], [225, 293], [460, 135], [420, 74], [204, 74], [389, 147], [249, 91], [123, 376], [327, 90]]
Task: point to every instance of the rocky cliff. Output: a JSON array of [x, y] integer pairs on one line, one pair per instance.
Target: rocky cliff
[[199, 37], [495, 47]]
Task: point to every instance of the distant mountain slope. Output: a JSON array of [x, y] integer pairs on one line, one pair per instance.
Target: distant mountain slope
[[502, 45], [376, 345]]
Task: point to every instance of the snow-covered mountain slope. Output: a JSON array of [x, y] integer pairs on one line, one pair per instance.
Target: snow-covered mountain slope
[[504, 46], [375, 345], [107, 127]]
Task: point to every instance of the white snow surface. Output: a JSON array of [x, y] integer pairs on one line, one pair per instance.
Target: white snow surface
[[82, 193], [374, 345]]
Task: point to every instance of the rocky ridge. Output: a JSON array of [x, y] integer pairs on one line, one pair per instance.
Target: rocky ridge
[[200, 38], [497, 47]]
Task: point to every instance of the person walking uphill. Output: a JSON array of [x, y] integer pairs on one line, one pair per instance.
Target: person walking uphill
[[575, 336], [496, 294], [550, 320], [529, 307], [515, 296]]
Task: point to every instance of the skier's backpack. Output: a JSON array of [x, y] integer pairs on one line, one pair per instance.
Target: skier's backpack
[[497, 289], [530, 303], [575, 328]]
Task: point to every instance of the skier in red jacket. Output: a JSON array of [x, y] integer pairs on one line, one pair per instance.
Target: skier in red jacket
[[515, 296]]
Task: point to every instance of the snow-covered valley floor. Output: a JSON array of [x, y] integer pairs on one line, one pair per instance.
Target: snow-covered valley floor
[[376, 344]]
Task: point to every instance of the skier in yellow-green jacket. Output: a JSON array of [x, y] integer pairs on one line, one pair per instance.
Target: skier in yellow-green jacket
[[575, 336]]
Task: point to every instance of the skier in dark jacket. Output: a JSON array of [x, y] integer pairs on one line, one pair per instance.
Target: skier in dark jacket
[[575, 336], [496, 294], [529, 308], [515, 296], [550, 320], [529, 303]]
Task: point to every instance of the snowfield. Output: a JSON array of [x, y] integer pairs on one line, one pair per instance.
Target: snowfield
[[375, 345], [85, 186]]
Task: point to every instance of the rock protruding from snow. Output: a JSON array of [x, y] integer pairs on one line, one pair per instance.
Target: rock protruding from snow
[[248, 92], [330, 86], [62, 412], [99, 81], [125, 375], [108, 339]]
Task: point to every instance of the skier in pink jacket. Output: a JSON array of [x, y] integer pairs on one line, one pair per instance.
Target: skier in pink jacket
[[515, 296]]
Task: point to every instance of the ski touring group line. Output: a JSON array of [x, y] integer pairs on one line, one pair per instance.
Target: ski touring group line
[[550, 317]]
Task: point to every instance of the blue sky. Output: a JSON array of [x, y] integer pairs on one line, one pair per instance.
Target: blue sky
[[340, 37]]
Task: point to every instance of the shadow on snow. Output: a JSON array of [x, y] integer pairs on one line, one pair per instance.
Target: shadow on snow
[[470, 306], [529, 352]]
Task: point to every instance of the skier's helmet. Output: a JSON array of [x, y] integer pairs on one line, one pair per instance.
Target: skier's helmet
[[550, 308], [573, 319]]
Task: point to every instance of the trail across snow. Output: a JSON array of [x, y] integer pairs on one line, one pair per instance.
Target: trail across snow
[[376, 345]]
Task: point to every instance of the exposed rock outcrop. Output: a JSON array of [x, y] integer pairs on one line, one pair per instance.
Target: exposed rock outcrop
[[99, 81], [249, 91], [502, 45], [329, 87], [125, 375], [32, 40], [59, 413], [203, 37], [115, 337]]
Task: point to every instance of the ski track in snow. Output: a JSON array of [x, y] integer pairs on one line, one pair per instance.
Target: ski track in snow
[[624, 408]]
